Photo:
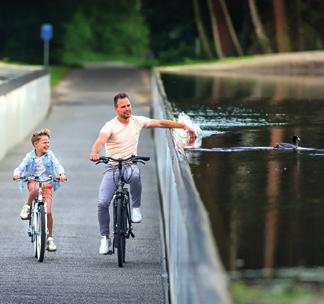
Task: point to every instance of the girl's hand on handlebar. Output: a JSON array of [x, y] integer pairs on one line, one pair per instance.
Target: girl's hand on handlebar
[[62, 178], [16, 177]]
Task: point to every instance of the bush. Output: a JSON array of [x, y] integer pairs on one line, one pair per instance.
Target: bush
[[77, 40]]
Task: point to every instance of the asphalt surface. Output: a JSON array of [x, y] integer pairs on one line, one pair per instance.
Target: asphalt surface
[[76, 273]]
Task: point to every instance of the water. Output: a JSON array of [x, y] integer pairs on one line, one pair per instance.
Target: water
[[266, 206]]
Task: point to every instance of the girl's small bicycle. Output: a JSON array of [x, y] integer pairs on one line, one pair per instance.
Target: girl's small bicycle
[[122, 223], [37, 229]]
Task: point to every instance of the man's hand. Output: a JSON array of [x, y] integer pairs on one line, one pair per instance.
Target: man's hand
[[191, 132], [96, 148], [94, 156], [191, 135]]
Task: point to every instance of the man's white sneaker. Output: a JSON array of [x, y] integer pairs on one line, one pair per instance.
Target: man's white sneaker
[[50, 244], [136, 215], [24, 214], [105, 245]]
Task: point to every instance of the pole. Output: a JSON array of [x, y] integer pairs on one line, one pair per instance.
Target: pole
[[46, 53]]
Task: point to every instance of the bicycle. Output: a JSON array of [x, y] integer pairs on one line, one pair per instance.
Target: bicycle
[[122, 223], [37, 228]]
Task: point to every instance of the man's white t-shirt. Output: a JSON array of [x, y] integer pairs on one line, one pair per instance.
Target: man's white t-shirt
[[123, 139]]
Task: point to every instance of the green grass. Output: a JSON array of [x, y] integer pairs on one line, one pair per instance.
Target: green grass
[[57, 74], [284, 293], [101, 58], [140, 62], [190, 61]]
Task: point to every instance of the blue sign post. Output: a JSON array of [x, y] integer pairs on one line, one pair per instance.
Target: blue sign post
[[46, 34]]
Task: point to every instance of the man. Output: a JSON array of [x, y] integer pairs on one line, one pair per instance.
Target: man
[[120, 137]]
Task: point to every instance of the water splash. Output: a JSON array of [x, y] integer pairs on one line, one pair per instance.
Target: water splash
[[215, 120]]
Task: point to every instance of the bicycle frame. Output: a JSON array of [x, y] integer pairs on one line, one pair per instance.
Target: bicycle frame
[[37, 229], [122, 224], [122, 195], [35, 207]]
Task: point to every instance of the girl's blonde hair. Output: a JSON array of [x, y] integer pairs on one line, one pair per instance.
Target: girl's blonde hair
[[38, 134]]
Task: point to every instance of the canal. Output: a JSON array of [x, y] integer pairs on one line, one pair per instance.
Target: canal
[[266, 206]]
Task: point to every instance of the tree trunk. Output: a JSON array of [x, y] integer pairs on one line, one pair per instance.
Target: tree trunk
[[201, 30], [282, 35], [231, 28], [217, 42], [300, 32], [258, 27]]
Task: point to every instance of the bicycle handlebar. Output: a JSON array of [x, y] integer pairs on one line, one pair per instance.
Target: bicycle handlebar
[[38, 179], [133, 158]]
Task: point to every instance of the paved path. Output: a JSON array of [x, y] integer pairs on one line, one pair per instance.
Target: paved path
[[76, 273]]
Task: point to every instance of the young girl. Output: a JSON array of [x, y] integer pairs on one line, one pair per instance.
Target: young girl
[[40, 162]]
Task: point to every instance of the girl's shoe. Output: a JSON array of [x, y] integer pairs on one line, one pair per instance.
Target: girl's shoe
[[24, 214], [50, 244]]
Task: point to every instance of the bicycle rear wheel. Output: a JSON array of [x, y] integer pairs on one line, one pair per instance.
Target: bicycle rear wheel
[[120, 235], [40, 231]]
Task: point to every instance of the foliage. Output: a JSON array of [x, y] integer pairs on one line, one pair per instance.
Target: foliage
[[115, 30], [120, 31], [82, 28], [172, 29], [164, 30], [77, 40]]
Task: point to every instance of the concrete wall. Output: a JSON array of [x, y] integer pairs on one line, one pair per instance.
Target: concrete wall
[[24, 103], [196, 274]]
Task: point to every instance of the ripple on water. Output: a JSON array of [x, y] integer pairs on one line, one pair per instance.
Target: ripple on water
[[216, 120]]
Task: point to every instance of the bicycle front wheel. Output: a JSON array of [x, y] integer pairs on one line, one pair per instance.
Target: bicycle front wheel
[[40, 231], [125, 228], [32, 226], [120, 235]]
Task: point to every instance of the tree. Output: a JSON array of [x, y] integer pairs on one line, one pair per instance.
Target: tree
[[231, 29], [258, 27], [300, 33], [201, 29], [215, 29], [282, 34], [118, 28], [77, 39], [225, 38]]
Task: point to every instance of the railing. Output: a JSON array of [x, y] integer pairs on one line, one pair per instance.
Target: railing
[[24, 103], [196, 274]]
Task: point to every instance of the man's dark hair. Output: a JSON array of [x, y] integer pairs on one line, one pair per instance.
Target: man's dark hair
[[119, 96]]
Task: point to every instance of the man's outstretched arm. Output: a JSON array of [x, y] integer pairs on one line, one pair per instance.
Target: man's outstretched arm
[[162, 123]]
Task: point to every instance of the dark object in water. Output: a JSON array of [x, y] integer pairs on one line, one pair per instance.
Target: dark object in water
[[287, 146]]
